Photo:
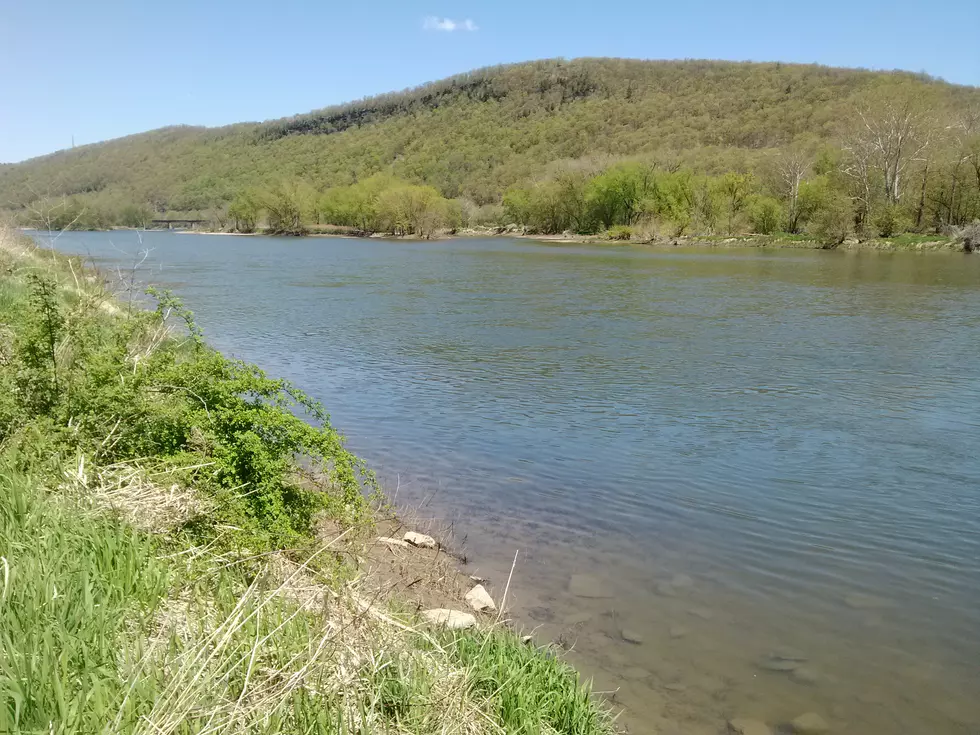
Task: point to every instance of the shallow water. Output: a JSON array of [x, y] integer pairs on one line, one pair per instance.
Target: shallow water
[[750, 450]]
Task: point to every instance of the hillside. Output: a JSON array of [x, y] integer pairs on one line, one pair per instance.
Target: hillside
[[474, 135]]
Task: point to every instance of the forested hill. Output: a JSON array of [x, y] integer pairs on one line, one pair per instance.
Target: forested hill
[[474, 135]]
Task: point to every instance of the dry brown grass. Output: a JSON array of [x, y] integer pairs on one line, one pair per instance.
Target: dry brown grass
[[140, 495], [347, 647]]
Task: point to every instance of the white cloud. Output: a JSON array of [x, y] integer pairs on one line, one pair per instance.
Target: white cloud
[[433, 23]]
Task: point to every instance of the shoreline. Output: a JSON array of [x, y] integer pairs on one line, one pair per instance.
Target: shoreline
[[920, 244]]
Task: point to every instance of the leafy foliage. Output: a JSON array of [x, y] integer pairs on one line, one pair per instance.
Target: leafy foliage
[[385, 204], [120, 387]]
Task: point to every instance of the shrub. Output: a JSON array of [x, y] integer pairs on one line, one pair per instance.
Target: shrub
[[891, 220], [765, 214], [620, 232], [116, 387], [834, 222]]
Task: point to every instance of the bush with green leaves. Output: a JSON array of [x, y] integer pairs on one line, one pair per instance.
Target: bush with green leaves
[[620, 232], [765, 215], [834, 223], [890, 220], [118, 387]]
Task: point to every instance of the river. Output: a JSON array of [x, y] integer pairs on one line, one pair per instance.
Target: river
[[766, 462]]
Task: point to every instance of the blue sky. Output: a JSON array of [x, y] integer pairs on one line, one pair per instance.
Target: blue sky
[[106, 68]]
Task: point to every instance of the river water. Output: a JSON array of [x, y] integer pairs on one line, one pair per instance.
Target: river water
[[766, 464]]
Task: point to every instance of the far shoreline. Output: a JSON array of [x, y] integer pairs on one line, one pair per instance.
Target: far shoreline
[[905, 243]]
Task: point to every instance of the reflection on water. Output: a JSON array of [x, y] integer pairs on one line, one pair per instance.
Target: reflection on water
[[767, 461]]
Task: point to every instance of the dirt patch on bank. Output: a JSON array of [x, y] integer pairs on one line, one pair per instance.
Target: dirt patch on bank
[[394, 572]]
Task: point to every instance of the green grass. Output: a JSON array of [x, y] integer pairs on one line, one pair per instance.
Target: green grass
[[72, 587], [530, 691], [159, 572], [791, 237]]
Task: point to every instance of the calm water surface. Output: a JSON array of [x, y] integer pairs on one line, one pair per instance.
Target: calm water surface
[[752, 450]]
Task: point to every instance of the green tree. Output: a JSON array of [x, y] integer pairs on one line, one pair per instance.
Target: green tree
[[616, 195], [517, 205], [245, 210], [284, 209], [765, 214], [135, 215], [410, 209], [672, 201], [834, 221], [734, 189]]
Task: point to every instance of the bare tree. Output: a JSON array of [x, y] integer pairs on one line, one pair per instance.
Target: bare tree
[[953, 203], [891, 132], [791, 168]]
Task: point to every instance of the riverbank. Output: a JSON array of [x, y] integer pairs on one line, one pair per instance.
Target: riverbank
[[167, 564], [906, 242]]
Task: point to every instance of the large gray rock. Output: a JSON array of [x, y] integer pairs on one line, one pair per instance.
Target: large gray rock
[[810, 724], [745, 726], [453, 619], [585, 585], [420, 540], [479, 599]]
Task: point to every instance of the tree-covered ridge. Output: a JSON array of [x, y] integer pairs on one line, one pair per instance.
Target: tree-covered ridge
[[474, 136], [548, 85]]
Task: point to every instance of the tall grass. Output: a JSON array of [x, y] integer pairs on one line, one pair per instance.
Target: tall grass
[[73, 588]]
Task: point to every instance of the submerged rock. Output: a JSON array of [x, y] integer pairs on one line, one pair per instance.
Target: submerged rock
[[862, 601], [577, 618], [479, 599], [804, 675], [635, 673], [681, 581], [787, 653], [778, 664], [678, 631], [745, 726], [420, 540], [585, 585], [810, 724], [616, 658], [452, 619], [631, 636]]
